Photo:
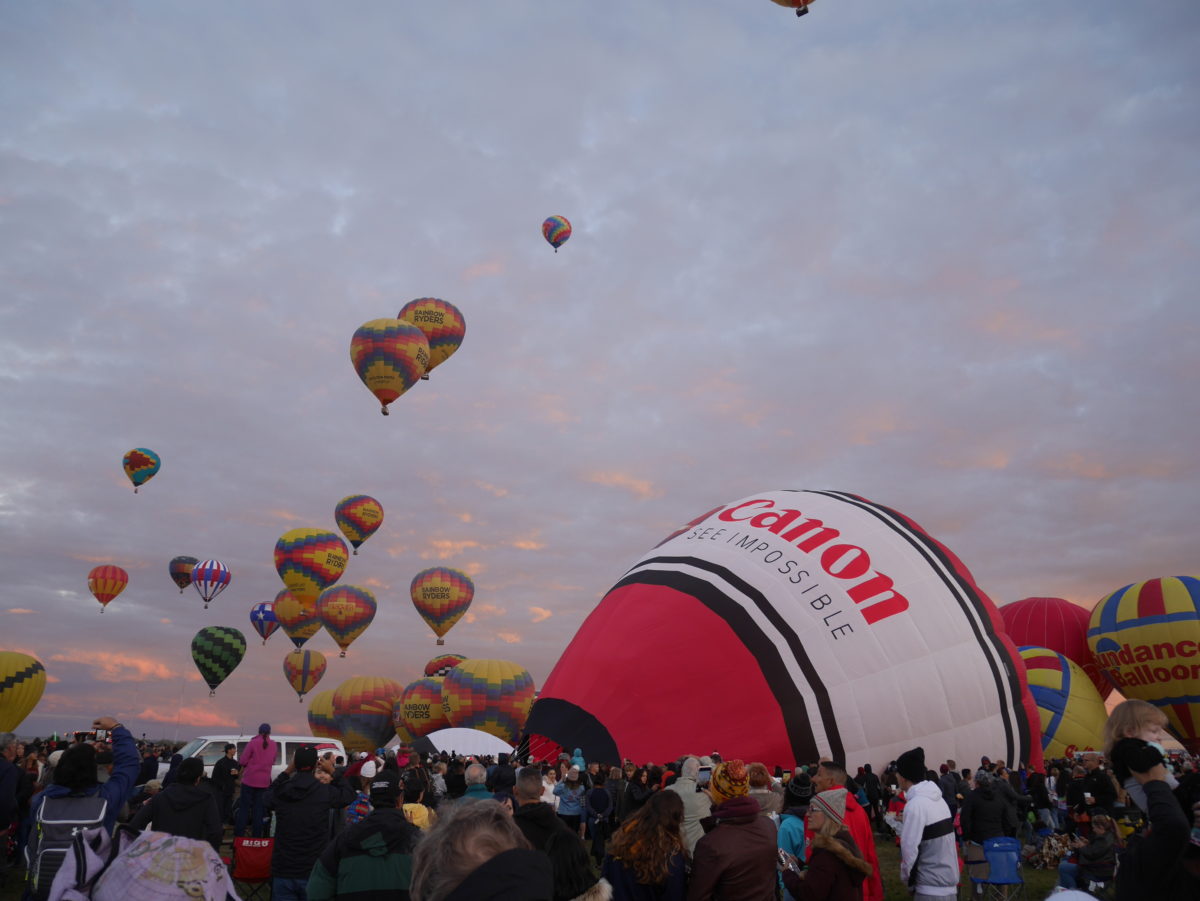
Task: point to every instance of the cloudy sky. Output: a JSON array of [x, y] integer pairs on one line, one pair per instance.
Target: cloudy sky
[[940, 254]]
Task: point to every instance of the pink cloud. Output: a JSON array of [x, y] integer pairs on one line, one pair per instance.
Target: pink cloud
[[643, 489], [194, 716], [540, 614], [494, 490], [112, 667], [19, 610], [509, 637]]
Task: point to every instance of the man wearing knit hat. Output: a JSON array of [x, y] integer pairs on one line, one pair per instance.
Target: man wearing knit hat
[[928, 860], [736, 856]]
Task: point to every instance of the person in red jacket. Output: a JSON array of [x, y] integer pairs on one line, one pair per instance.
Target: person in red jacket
[[831, 774], [257, 759]]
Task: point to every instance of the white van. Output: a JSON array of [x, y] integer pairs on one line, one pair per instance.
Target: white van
[[211, 748]]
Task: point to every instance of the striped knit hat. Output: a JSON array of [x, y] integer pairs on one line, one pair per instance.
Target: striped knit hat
[[832, 803]]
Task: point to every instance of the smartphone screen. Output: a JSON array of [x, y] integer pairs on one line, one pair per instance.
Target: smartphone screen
[[704, 776]]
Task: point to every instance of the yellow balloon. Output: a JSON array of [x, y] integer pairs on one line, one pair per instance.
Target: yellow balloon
[[1071, 710], [320, 716], [22, 681], [493, 696]]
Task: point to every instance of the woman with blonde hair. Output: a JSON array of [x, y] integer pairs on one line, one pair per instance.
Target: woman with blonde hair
[[836, 868]]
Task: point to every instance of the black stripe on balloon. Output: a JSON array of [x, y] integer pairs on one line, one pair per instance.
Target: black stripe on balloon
[[967, 598], [570, 726], [21, 675], [770, 662]]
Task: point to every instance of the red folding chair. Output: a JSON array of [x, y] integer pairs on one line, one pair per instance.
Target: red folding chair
[[251, 865]]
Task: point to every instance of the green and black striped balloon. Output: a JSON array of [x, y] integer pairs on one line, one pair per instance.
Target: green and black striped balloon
[[217, 651]]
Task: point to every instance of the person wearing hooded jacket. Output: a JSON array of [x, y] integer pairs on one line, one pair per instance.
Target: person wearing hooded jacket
[[836, 869], [696, 804], [302, 801], [184, 808], [736, 857], [928, 854], [986, 813], [258, 757], [797, 797]]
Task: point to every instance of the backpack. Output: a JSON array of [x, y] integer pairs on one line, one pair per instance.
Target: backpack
[[53, 834], [92, 851]]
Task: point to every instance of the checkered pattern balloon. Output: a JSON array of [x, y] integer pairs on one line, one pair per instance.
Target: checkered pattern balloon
[[320, 716], [442, 323], [304, 670], [210, 578], [389, 355], [309, 561], [1071, 710], [180, 569], [217, 650], [493, 696], [262, 618], [299, 622], [362, 709], [442, 664], [358, 516], [141, 465], [421, 707], [441, 595], [106, 582], [22, 681], [556, 230], [345, 611]]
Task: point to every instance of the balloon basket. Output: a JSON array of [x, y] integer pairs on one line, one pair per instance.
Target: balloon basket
[[356, 552], [212, 692], [135, 490], [343, 654], [206, 605], [440, 641], [384, 411], [425, 377]]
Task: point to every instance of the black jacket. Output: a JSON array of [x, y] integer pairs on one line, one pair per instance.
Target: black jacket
[[1099, 783], [188, 811], [987, 813], [1160, 864], [10, 779], [515, 875], [303, 825], [537, 823], [223, 777]]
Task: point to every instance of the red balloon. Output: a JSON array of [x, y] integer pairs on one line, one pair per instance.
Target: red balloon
[[1057, 624]]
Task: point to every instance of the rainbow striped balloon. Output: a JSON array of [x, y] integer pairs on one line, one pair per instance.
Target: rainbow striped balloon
[[442, 664], [421, 706], [320, 716], [441, 595], [106, 582], [141, 465], [299, 622], [304, 670], [1071, 710], [1146, 639], [443, 325], [389, 355], [493, 696], [362, 709], [262, 618], [180, 569], [556, 230], [358, 516], [309, 561], [345, 611], [210, 578]]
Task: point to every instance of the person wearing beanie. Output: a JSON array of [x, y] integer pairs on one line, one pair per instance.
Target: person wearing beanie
[[736, 857], [832, 774], [928, 855], [258, 757], [796, 798], [836, 869]]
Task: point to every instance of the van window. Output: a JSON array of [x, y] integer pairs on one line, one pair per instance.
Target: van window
[[213, 751]]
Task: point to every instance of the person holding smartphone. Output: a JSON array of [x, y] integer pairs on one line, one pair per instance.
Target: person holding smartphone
[[836, 868]]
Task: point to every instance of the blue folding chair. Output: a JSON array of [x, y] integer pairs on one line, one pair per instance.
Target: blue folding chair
[[1000, 879]]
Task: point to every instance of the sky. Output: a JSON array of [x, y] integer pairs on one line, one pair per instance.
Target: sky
[[942, 255]]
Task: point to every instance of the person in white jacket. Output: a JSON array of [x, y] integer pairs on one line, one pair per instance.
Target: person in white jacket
[[928, 859]]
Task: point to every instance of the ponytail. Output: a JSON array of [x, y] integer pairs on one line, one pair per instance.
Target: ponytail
[[266, 738]]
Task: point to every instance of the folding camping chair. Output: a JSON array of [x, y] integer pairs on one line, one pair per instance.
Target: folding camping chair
[[993, 870], [250, 865]]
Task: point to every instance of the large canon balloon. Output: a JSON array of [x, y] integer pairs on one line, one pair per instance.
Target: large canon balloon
[[209, 579], [441, 595], [1071, 710], [442, 664], [1057, 624], [358, 516], [442, 323], [345, 611], [217, 650], [299, 622], [141, 465], [320, 716], [180, 569], [493, 696], [556, 230], [839, 629], [389, 355], [421, 707], [1146, 639], [303, 670], [262, 618], [362, 709], [22, 681], [309, 561], [106, 582]]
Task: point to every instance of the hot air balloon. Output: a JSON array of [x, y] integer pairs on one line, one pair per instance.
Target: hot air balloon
[[180, 569], [389, 355], [106, 582], [421, 707], [209, 579], [320, 716], [1071, 710], [362, 710], [827, 611], [217, 651], [402, 731], [141, 465], [22, 681], [441, 595], [1145, 638], [493, 696], [262, 618], [442, 323], [556, 230], [300, 623], [1057, 624], [345, 611], [309, 561], [358, 516], [800, 6], [442, 664], [304, 670]]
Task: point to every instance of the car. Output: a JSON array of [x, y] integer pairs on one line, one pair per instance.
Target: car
[[211, 748]]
